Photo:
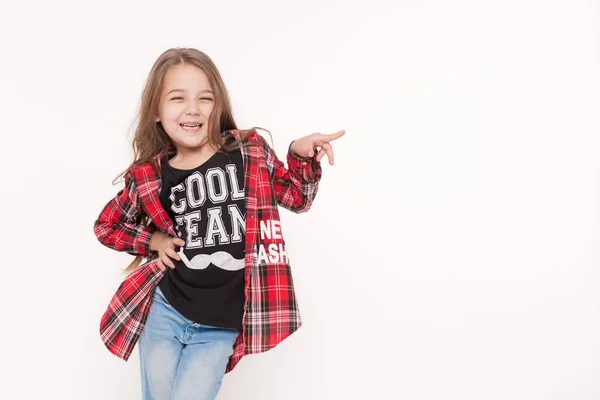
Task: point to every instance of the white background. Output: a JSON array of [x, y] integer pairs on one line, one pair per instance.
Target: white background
[[452, 251]]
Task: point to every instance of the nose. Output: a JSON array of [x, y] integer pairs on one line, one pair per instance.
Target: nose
[[192, 108]]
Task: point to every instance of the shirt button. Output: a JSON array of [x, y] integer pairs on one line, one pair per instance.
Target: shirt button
[[303, 162]]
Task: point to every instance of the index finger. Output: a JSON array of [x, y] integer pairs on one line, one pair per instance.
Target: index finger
[[333, 136]]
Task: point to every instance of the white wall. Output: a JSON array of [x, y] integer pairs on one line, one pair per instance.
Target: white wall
[[451, 253]]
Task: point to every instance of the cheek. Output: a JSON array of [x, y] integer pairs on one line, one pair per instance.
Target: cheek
[[171, 113], [207, 109]]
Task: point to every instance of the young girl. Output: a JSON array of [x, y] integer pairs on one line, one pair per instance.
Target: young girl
[[200, 204]]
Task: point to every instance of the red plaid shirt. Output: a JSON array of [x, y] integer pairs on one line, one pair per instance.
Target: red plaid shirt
[[271, 311]]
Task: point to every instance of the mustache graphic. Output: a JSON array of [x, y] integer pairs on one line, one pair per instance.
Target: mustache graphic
[[221, 259]]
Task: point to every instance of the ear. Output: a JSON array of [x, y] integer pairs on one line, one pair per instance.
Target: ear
[[156, 118]]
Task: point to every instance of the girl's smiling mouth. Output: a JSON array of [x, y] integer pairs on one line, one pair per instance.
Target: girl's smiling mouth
[[191, 127]]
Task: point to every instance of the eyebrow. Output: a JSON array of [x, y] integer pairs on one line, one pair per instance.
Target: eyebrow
[[181, 90]]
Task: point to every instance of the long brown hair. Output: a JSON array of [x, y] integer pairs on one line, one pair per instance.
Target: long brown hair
[[150, 138]]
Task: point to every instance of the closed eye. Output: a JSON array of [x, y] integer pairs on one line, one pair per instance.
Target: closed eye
[[202, 98]]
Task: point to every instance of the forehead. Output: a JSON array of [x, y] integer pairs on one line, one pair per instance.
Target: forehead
[[186, 77]]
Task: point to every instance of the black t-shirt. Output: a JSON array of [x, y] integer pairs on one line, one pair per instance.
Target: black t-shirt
[[208, 210]]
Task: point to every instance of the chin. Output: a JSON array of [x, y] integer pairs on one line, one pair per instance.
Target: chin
[[190, 144]]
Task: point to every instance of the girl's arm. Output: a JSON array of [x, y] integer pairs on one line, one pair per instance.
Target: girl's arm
[[118, 226], [294, 187]]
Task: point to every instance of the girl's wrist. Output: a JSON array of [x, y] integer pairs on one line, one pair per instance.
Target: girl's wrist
[[298, 156], [154, 241]]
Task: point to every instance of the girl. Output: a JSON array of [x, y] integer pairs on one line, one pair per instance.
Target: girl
[[200, 204]]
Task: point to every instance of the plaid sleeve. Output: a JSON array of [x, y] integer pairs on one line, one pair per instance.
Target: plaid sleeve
[[295, 187], [118, 226]]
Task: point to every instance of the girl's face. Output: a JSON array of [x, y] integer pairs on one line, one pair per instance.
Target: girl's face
[[185, 102]]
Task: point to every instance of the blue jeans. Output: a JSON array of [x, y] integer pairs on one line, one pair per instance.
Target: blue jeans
[[179, 358]]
